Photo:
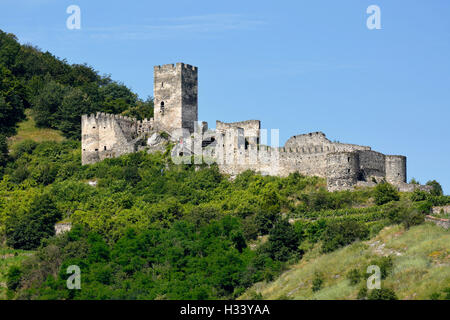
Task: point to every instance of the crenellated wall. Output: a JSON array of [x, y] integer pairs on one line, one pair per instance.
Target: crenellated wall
[[236, 146], [106, 135]]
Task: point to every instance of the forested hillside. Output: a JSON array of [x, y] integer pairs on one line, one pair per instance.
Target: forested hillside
[[143, 227], [150, 229], [57, 92]]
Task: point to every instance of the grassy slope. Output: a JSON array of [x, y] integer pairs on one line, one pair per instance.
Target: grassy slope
[[421, 267], [28, 130], [8, 258]]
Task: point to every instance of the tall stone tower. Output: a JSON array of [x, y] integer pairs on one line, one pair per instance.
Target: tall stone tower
[[175, 90]]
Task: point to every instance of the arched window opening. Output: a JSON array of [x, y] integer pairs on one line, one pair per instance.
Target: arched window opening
[[162, 107]]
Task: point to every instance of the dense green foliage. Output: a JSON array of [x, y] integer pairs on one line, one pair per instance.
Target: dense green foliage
[[163, 230], [341, 233], [24, 230], [384, 193], [57, 92], [377, 294]]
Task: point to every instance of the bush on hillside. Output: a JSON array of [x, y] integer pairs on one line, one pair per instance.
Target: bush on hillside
[[283, 241], [406, 214], [384, 193], [26, 230], [13, 278], [317, 282], [341, 233], [382, 294], [355, 276]]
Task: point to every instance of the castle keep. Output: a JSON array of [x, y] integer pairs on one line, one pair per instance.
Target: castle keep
[[236, 146]]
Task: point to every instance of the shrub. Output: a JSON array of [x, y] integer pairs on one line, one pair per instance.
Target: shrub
[[405, 214], [384, 193], [24, 147], [382, 294], [354, 276], [386, 264], [13, 278], [341, 233], [419, 195], [362, 294], [317, 282]]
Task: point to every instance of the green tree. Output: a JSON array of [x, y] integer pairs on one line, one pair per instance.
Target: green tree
[[47, 103], [25, 231], [283, 241], [437, 188], [12, 102], [406, 214], [341, 233], [74, 104], [9, 47], [384, 193]]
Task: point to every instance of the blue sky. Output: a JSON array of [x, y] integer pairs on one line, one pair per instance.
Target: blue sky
[[298, 66]]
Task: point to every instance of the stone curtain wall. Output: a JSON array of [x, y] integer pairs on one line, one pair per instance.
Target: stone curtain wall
[[236, 146], [107, 136]]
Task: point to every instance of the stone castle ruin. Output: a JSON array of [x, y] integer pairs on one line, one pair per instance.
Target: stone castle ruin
[[236, 146]]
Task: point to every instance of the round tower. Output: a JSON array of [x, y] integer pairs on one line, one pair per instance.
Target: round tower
[[89, 139], [395, 169], [342, 170]]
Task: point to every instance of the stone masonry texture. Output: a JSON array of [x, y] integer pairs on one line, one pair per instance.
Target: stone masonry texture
[[236, 146]]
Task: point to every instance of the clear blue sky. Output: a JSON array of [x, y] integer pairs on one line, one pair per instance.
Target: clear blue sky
[[299, 66]]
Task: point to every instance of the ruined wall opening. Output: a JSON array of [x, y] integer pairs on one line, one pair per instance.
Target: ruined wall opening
[[162, 107]]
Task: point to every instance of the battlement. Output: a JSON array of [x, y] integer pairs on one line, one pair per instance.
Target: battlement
[[108, 117], [237, 146], [173, 66]]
